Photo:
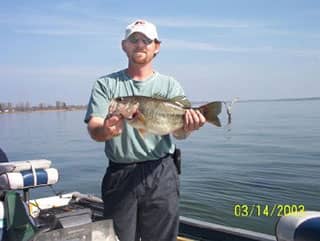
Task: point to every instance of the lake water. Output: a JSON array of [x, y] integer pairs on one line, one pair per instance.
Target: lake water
[[270, 156]]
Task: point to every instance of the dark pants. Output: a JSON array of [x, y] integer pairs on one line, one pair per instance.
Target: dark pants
[[143, 200]]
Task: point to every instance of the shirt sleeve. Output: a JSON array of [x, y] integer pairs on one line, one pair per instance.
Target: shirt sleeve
[[175, 89], [98, 102]]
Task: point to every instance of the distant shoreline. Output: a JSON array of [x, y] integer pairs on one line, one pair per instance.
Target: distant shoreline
[[44, 110]]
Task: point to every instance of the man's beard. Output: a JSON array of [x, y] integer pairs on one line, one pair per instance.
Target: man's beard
[[140, 57]]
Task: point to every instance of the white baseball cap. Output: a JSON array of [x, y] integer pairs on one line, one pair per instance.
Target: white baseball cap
[[144, 27]]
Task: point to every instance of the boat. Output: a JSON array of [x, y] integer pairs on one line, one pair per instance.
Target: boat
[[78, 216]]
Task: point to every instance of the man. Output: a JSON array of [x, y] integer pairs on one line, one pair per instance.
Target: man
[[141, 186]]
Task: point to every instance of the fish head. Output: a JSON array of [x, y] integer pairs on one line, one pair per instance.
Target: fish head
[[124, 106]]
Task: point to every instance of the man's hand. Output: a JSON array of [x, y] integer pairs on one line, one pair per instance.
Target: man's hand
[[113, 125], [104, 129], [193, 120]]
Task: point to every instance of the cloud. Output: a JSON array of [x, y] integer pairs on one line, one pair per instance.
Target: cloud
[[183, 44], [202, 46], [59, 32], [37, 24], [199, 23]]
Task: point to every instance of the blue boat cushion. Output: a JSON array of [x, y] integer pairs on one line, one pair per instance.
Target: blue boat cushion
[[303, 226], [308, 230], [28, 178]]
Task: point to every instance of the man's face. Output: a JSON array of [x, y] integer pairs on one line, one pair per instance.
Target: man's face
[[139, 48]]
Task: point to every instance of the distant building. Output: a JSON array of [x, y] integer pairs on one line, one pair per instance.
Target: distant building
[[61, 105], [42, 106], [6, 107], [2, 107]]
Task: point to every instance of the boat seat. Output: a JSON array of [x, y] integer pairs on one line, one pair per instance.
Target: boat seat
[[14, 213], [22, 175]]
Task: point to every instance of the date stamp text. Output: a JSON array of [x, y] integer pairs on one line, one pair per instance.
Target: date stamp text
[[265, 210]]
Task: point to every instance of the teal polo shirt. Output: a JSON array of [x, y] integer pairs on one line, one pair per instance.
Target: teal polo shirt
[[130, 146]]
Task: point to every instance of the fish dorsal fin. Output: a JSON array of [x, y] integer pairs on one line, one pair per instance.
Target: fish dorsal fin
[[181, 101], [159, 96]]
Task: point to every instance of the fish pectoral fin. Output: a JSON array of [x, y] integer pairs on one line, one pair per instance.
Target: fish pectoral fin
[[140, 118], [139, 123]]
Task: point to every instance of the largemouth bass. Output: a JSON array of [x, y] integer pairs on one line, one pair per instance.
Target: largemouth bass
[[158, 115]]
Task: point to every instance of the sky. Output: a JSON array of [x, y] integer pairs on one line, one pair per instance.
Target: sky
[[217, 50]]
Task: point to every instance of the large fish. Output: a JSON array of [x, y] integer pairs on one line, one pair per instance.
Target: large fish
[[160, 116]]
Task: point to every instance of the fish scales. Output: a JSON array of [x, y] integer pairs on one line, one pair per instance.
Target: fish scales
[[161, 116]]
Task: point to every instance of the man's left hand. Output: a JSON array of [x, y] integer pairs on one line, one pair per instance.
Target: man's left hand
[[193, 120]]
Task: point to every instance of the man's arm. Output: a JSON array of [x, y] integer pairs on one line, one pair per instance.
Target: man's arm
[[193, 120], [104, 129]]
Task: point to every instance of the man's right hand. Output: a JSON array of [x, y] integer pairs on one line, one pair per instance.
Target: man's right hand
[[105, 129], [113, 125]]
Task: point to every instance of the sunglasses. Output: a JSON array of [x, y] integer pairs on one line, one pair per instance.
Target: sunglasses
[[134, 40]]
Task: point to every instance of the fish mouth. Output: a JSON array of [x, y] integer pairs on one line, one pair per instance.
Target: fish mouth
[[133, 116]]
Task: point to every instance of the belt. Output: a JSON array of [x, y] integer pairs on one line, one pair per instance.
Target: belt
[[135, 163]]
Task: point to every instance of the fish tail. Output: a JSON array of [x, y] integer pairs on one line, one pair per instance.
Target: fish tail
[[211, 111]]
